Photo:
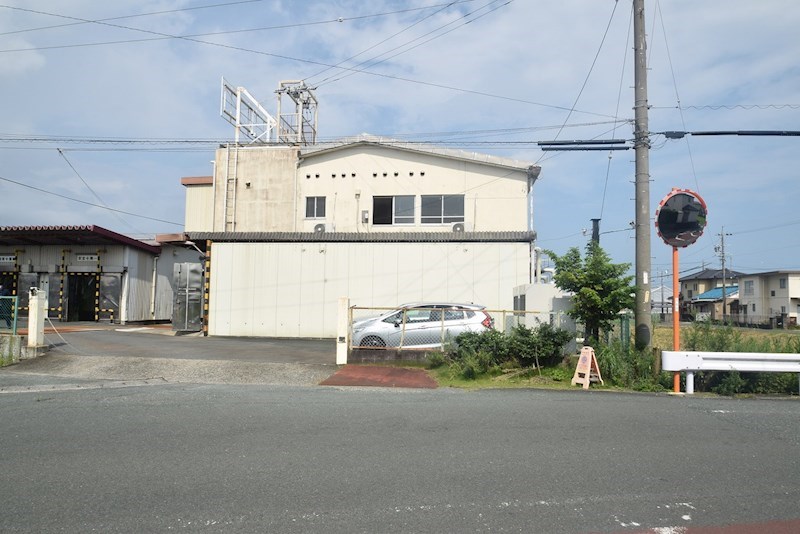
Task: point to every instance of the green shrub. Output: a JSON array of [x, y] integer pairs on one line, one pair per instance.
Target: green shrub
[[436, 359], [730, 384], [628, 368], [474, 353]]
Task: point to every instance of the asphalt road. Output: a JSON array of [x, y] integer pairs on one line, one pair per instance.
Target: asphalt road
[[153, 457]]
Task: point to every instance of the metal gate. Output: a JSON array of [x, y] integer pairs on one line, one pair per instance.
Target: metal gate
[[187, 309]]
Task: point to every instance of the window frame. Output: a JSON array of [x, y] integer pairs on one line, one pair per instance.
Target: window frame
[[395, 219], [316, 205], [444, 214]]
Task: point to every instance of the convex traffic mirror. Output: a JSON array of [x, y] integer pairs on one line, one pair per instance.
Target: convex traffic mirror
[[681, 218]]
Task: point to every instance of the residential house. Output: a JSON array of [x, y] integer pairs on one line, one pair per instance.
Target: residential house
[[698, 283], [719, 304], [770, 299], [289, 230]]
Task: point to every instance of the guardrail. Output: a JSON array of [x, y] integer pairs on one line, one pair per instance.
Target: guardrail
[[758, 362]]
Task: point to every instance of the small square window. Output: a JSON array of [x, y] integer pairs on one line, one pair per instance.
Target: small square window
[[315, 207]]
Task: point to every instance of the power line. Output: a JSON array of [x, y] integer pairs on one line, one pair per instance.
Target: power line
[[88, 203], [103, 202], [138, 15], [588, 74], [373, 64], [191, 38], [377, 44]]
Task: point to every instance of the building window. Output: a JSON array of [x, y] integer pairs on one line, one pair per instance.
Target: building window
[[690, 293], [782, 282], [748, 287], [393, 210], [315, 207], [442, 209], [754, 307], [772, 293]]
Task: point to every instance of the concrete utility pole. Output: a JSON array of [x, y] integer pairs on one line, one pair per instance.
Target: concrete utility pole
[[721, 250], [642, 311]]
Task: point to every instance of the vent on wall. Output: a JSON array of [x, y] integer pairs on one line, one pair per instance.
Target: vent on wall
[[319, 228], [458, 227]]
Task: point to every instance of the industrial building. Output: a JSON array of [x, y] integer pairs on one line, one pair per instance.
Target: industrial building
[[90, 273], [293, 229]]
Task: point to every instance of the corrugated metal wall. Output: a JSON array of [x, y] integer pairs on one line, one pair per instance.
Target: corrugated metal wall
[[140, 278], [292, 289]]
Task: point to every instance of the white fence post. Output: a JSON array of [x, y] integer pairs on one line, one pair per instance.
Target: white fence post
[[343, 331], [37, 310]]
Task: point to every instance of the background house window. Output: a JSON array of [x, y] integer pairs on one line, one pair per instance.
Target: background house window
[[315, 207], [442, 209], [782, 282], [748, 287], [393, 210]]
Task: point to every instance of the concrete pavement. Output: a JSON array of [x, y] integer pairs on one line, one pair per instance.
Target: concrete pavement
[[101, 352]]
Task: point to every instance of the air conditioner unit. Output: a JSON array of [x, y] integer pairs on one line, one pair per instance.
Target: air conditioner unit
[[459, 227], [319, 228]]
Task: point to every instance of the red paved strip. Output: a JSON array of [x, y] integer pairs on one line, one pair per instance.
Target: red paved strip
[[380, 376]]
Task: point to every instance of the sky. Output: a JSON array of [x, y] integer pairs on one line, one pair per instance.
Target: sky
[[108, 104]]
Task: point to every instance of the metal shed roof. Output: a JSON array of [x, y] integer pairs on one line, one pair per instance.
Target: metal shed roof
[[20, 236], [372, 237]]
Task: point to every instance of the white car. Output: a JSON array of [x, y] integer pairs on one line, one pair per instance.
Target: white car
[[420, 325]]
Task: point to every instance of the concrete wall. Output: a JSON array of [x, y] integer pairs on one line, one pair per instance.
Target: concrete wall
[[264, 188], [292, 289]]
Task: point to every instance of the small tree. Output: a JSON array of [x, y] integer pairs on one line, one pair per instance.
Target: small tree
[[601, 288]]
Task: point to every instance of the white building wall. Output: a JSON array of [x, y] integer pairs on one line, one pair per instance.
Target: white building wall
[[199, 216], [495, 198], [272, 185], [292, 289]]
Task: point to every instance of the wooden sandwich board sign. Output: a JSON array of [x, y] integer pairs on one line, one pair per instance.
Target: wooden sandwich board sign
[[587, 369]]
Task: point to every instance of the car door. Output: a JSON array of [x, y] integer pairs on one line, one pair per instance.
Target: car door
[[410, 330]]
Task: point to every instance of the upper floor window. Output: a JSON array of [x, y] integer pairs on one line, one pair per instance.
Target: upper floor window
[[748, 287], [782, 282], [442, 209], [315, 207], [393, 210]]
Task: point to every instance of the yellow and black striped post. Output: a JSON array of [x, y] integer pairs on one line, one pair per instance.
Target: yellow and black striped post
[[206, 286], [97, 289], [63, 269]]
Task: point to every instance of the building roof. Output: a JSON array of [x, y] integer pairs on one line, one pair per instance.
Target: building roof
[[364, 237], [20, 236], [774, 273], [423, 148], [715, 294], [712, 274]]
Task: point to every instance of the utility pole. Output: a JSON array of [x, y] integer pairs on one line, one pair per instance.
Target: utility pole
[[721, 250], [642, 311]]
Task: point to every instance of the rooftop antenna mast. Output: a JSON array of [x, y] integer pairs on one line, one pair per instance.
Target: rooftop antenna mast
[[298, 125]]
